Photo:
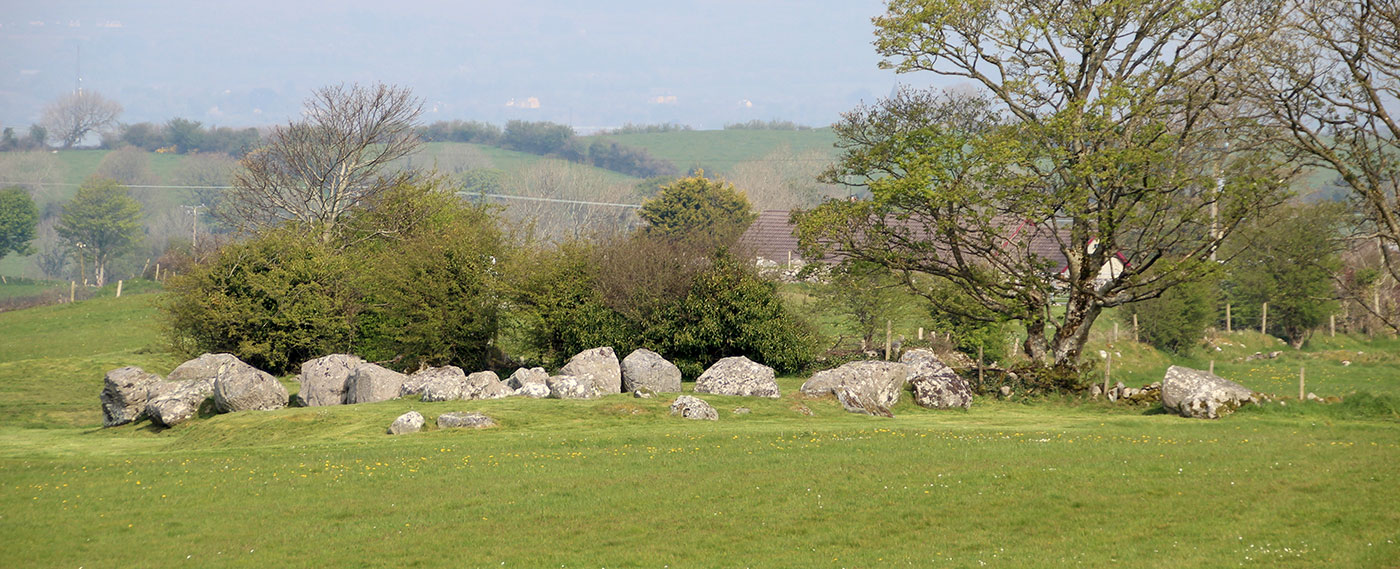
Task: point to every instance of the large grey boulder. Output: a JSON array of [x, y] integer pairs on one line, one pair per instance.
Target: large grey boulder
[[872, 383], [371, 383], [527, 376], [692, 407], [936, 386], [570, 387], [325, 379], [485, 385], [442, 383], [188, 386], [1202, 395], [644, 368], [532, 390], [857, 399], [172, 403], [410, 422], [598, 365], [248, 389], [124, 394], [738, 375], [464, 420]]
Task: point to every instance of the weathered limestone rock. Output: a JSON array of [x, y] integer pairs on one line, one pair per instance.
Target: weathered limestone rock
[[410, 422], [936, 386], [205, 368], [442, 383], [174, 403], [248, 389], [1202, 395], [570, 387], [598, 365], [124, 394], [644, 368], [525, 376], [643, 393], [875, 383], [532, 390], [464, 420], [485, 385], [738, 375], [693, 408], [370, 383], [856, 399], [324, 379]]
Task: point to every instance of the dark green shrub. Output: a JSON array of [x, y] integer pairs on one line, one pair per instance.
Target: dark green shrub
[[274, 301], [1177, 320]]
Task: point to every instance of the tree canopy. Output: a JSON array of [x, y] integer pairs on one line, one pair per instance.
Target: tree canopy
[[1097, 134], [18, 220], [100, 223], [72, 117], [698, 205]]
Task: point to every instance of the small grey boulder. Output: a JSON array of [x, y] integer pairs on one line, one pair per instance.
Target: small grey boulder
[[485, 385], [124, 394], [738, 375], [692, 407], [410, 422], [644, 368], [526, 376], [598, 365], [936, 386], [464, 420]]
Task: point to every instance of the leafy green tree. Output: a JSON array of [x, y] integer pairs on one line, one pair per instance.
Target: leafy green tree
[[866, 294], [185, 134], [100, 223], [1088, 139], [696, 205], [1288, 260], [1177, 320], [18, 220]]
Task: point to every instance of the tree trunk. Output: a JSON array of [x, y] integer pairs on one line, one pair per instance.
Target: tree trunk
[[1069, 340]]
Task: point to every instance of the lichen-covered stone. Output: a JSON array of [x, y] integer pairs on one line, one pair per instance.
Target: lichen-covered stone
[[526, 376], [410, 422], [124, 394], [692, 407], [599, 366], [936, 386], [570, 387], [464, 420], [248, 389], [738, 375], [1202, 395], [644, 368], [873, 383], [442, 383], [324, 379], [371, 383]]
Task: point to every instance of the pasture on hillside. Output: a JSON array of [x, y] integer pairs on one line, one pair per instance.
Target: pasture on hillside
[[616, 482]]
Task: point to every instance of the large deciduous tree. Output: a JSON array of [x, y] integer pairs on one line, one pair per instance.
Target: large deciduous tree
[[72, 117], [697, 205], [1329, 83], [313, 171], [100, 223], [1097, 135], [18, 220]]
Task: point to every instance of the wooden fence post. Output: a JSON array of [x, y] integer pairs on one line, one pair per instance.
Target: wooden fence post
[[119, 288], [1135, 328], [72, 291], [1227, 318], [921, 333], [1264, 319], [980, 382], [1115, 331], [1212, 367], [1300, 383], [1332, 324], [1107, 371]]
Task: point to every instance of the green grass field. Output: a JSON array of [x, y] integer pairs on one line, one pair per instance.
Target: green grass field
[[719, 151], [616, 482]]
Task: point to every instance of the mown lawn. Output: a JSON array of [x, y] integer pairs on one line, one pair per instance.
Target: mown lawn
[[616, 482]]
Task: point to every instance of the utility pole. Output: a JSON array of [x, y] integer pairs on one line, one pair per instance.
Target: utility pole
[[194, 226]]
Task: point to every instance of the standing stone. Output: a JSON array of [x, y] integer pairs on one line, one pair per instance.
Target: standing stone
[[440, 383], [875, 382], [371, 383], [692, 407], [570, 387], [738, 375], [464, 420], [410, 422], [324, 380], [644, 368], [1202, 395], [248, 389], [525, 376], [598, 365], [124, 394], [936, 386]]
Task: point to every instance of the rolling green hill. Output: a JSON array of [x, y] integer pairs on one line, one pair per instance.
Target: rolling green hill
[[719, 151]]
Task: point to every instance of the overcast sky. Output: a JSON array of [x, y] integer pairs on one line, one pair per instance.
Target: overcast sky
[[589, 64]]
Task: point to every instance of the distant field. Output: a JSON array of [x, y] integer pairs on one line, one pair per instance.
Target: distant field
[[616, 482], [719, 151]]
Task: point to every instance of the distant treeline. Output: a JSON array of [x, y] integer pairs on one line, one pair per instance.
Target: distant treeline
[[766, 125], [183, 136], [552, 139], [630, 128]]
